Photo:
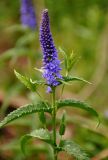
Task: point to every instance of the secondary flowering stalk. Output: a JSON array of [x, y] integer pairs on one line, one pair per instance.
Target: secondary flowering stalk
[[51, 63], [28, 17]]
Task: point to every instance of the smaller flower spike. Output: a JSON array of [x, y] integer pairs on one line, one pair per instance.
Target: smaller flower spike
[[28, 17], [51, 63]]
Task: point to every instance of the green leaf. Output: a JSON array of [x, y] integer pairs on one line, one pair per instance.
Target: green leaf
[[70, 79], [72, 60], [25, 110], [62, 124], [42, 117], [26, 81], [77, 104], [41, 134], [65, 57], [74, 149]]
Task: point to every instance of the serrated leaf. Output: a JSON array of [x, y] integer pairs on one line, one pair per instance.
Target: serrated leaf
[[26, 81], [74, 149], [25, 110], [70, 79], [41, 134], [77, 104]]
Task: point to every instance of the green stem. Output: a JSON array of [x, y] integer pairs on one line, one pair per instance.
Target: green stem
[[54, 122]]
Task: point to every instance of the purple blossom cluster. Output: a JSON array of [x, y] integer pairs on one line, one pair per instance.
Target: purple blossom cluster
[[51, 63], [28, 17]]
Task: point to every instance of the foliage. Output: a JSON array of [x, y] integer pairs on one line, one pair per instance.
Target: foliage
[[79, 29], [73, 149], [43, 134]]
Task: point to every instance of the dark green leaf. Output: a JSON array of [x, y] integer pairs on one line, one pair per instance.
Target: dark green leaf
[[42, 117], [77, 104], [41, 134], [70, 79], [25, 110], [74, 149], [62, 124]]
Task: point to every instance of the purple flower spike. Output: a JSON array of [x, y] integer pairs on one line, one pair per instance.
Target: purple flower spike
[[28, 17], [51, 63]]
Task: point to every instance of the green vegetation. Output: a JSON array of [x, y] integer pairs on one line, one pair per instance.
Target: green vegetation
[[80, 33]]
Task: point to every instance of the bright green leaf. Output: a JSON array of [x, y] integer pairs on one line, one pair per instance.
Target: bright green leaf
[[41, 134], [72, 60], [65, 57], [74, 150], [26, 81], [25, 110]]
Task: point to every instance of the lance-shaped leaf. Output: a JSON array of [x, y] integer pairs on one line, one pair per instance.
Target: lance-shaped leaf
[[32, 85], [69, 59], [72, 60], [62, 124], [77, 104], [25, 110], [74, 150], [42, 117], [68, 79], [65, 57], [42, 134]]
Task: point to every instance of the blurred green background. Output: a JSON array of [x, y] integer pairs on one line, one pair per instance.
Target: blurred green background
[[80, 26]]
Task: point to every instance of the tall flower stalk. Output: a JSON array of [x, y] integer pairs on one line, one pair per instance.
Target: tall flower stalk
[[51, 66], [28, 17]]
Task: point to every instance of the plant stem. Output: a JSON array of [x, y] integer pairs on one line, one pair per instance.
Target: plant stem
[[54, 122]]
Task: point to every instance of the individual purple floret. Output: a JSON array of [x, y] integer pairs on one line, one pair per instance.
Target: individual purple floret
[[51, 63], [28, 17]]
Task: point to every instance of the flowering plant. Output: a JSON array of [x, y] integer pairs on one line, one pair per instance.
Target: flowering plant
[[53, 78], [28, 17]]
